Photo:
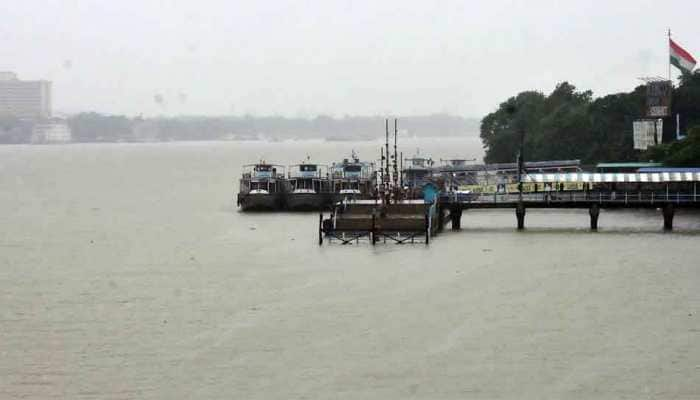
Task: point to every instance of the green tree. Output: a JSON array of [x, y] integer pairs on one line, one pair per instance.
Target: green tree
[[570, 124], [500, 130]]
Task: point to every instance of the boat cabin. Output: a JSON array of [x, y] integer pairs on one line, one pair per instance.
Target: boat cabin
[[352, 176], [417, 171], [263, 178], [309, 178]]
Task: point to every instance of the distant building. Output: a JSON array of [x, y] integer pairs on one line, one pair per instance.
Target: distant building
[[51, 132], [24, 99]]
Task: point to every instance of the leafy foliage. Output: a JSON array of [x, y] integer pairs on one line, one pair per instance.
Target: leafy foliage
[[571, 124], [683, 153]]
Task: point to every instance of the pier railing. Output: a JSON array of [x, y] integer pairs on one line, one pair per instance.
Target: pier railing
[[600, 197]]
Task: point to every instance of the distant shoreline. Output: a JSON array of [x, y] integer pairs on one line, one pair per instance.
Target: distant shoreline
[[94, 127], [378, 139]]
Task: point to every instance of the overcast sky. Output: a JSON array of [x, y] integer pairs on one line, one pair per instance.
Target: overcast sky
[[333, 57]]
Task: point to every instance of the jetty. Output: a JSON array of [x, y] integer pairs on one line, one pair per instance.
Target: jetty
[[397, 216], [667, 190], [415, 221]]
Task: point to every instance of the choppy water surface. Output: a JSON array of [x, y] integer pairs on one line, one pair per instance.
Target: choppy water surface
[[127, 273]]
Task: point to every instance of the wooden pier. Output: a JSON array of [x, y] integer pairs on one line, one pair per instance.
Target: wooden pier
[[400, 222]]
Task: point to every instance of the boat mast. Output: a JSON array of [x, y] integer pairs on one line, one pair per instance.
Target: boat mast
[[401, 168], [395, 162], [388, 172]]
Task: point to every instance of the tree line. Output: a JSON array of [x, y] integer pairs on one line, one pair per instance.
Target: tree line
[[572, 124], [96, 127]]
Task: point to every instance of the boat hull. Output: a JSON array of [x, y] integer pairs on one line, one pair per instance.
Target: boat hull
[[260, 202], [337, 197], [308, 201]]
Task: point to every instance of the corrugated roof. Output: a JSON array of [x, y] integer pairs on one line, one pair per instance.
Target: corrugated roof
[[671, 169], [628, 165], [511, 166], [587, 177]]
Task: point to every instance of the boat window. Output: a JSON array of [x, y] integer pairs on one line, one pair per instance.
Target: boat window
[[307, 168], [353, 168], [263, 168]]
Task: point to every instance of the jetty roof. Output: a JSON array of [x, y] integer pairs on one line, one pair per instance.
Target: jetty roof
[[628, 165], [513, 166], [587, 177]]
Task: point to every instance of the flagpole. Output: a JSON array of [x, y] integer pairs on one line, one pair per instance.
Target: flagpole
[[669, 77], [669, 56]]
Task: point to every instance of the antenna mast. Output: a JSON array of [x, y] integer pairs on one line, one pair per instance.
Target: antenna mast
[[395, 158], [386, 143]]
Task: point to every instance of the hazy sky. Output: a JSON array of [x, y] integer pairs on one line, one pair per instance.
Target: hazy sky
[[333, 57]]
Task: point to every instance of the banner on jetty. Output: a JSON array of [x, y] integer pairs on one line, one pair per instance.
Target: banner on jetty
[[647, 132]]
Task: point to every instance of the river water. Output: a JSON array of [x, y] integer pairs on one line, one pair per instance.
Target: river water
[[126, 272]]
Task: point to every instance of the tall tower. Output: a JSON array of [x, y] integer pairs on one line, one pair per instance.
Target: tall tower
[[24, 99]]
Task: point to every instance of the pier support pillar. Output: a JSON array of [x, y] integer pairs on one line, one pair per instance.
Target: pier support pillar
[[594, 212], [668, 216], [441, 218], [320, 229], [520, 215], [427, 229], [456, 218]]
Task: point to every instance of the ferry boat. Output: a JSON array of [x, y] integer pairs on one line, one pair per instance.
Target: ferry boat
[[262, 187], [417, 172], [310, 187], [352, 179]]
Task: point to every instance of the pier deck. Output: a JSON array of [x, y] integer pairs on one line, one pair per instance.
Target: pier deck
[[450, 207], [416, 221], [574, 200]]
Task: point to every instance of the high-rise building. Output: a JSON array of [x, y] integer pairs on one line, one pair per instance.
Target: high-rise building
[[24, 99]]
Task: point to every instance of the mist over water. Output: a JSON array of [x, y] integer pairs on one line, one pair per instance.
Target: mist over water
[[126, 271]]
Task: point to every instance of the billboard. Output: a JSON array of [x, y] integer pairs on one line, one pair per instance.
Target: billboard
[[647, 132], [659, 99]]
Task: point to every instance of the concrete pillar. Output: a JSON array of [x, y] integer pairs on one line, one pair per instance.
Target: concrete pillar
[[520, 215], [456, 217], [668, 216], [594, 211], [441, 218], [320, 229], [427, 229]]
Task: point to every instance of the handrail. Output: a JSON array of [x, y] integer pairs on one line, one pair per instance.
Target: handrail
[[628, 198]]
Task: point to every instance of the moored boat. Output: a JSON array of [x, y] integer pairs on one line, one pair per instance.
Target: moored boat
[[262, 187], [416, 173], [309, 187], [353, 179]]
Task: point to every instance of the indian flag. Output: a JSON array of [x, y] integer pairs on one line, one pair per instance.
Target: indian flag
[[681, 58]]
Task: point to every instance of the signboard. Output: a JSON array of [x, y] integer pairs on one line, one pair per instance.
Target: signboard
[[659, 99], [645, 131]]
